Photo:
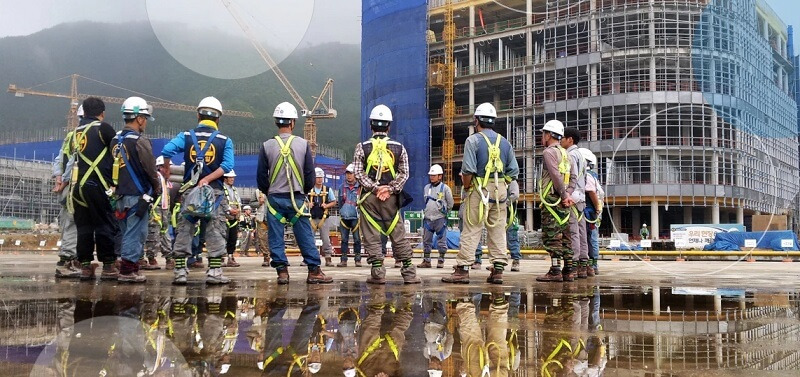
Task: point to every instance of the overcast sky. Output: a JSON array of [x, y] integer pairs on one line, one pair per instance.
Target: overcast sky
[[333, 20]]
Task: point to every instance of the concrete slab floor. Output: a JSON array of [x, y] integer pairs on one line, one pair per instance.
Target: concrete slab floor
[[636, 318]]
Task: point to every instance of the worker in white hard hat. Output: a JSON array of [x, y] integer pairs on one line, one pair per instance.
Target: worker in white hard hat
[[67, 265], [489, 166], [261, 228], [232, 211], [644, 232], [555, 191], [321, 198], [247, 226], [438, 203], [137, 183], [158, 237], [577, 221], [349, 224], [381, 167], [593, 211], [208, 155], [285, 174]]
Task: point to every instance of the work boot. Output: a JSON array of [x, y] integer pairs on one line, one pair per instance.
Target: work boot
[[231, 262], [131, 277], [515, 265], [328, 262], [316, 276], [476, 266], [425, 264], [377, 276], [170, 264], [596, 270], [409, 273], [266, 261], [142, 264], [198, 264], [554, 275], [581, 272], [214, 276], [440, 263], [358, 263], [495, 275], [342, 264], [283, 275], [589, 271], [110, 272], [87, 272], [65, 269], [569, 274], [181, 275], [460, 275], [152, 264]]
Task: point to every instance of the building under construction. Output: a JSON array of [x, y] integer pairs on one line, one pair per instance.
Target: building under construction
[[688, 104]]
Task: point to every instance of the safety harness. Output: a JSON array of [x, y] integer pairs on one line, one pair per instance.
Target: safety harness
[[346, 201], [162, 201], [287, 162], [379, 158], [438, 198], [200, 160], [590, 210], [121, 158], [319, 199], [232, 201], [81, 138], [494, 169], [563, 169]]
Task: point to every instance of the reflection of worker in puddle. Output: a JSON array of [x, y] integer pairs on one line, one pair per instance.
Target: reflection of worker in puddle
[[299, 357], [556, 351], [490, 355], [382, 334], [438, 339], [218, 329], [346, 337]]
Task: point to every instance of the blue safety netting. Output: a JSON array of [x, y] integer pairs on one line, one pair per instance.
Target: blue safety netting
[[245, 166], [394, 67], [734, 241]]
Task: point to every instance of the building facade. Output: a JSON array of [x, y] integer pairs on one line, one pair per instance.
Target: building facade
[[688, 104]]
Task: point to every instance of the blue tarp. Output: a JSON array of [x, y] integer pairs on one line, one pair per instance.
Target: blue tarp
[[453, 240], [734, 241]]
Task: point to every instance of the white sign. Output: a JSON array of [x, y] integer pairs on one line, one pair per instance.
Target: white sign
[[646, 243], [681, 244], [750, 243], [2, 242], [58, 243], [614, 243], [787, 243], [697, 236], [318, 243], [17, 243], [42, 243]]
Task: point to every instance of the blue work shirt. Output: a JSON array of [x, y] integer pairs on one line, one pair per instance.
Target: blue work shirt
[[476, 155]]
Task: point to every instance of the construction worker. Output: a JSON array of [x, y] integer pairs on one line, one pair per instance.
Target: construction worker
[[67, 265], [348, 211], [555, 191], [381, 167], [285, 173], [232, 213], [593, 211], [438, 202], [512, 227], [247, 225], [489, 165], [136, 185], [438, 338], [208, 155], [383, 333], [261, 229], [91, 191], [484, 355], [320, 199], [644, 232], [577, 221], [158, 237], [280, 358]]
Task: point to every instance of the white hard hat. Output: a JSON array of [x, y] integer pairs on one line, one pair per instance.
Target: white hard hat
[[644, 224], [210, 106], [485, 109], [80, 112], [435, 170], [349, 372], [135, 106], [285, 110], [588, 155], [314, 367], [554, 126], [247, 207], [159, 160], [224, 368], [381, 113], [319, 173], [350, 168], [230, 174], [434, 373]]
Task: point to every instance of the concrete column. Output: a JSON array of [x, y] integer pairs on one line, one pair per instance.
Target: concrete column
[[718, 304], [654, 174], [656, 300], [529, 170], [529, 9], [654, 227], [740, 215], [616, 213], [500, 58], [715, 213], [472, 52], [687, 215]]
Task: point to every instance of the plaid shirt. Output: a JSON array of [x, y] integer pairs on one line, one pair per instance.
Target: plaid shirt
[[359, 160]]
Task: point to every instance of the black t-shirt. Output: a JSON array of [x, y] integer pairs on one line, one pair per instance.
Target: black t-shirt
[[92, 138]]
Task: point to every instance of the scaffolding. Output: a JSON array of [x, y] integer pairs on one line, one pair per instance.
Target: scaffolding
[[25, 191], [685, 102]]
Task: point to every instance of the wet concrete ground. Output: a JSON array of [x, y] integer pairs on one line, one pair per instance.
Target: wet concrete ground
[[635, 319]]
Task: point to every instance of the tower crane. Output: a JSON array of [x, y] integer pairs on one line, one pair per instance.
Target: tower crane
[[74, 97], [323, 107]]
